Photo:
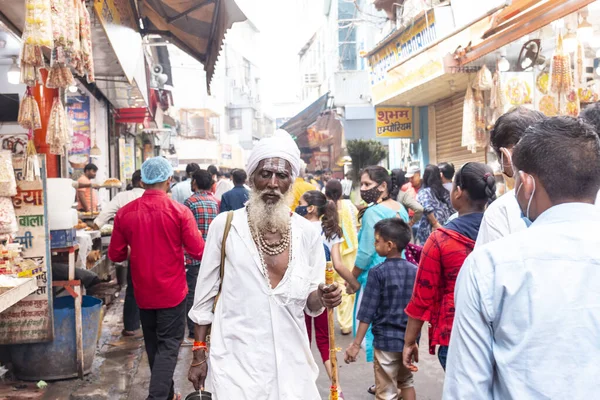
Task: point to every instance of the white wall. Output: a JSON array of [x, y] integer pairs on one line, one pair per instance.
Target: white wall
[[99, 124]]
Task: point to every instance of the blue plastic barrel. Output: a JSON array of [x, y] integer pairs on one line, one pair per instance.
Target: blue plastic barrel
[[58, 359]]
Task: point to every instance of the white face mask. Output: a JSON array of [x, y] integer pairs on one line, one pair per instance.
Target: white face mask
[[526, 216]]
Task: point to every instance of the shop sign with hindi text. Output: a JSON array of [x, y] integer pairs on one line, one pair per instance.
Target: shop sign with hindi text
[[31, 319], [394, 122], [79, 114], [401, 46]]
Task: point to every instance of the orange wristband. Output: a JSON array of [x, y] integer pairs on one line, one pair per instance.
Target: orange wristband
[[199, 344]]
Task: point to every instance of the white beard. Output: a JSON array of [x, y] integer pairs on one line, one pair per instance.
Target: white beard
[[265, 217]]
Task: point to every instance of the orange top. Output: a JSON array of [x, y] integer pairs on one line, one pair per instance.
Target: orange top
[[88, 195]]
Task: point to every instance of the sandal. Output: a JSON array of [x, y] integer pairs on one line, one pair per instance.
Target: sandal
[[371, 389], [177, 396]]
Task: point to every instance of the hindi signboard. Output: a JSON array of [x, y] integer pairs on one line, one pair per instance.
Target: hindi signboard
[[394, 122], [79, 113], [31, 319]]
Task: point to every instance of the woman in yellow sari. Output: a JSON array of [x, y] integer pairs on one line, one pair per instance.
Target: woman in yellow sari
[[349, 223]]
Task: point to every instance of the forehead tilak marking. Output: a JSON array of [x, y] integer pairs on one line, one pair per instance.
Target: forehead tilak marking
[[275, 165]]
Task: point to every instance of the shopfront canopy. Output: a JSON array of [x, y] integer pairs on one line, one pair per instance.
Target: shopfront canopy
[[298, 125], [196, 26]]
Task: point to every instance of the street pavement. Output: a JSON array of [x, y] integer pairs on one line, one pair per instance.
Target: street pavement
[[354, 378], [121, 371]]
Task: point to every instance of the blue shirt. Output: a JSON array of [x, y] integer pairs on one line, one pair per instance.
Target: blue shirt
[[234, 199], [182, 191], [527, 317], [386, 295], [367, 257]]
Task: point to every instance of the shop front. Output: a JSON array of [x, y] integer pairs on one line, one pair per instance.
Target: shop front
[[488, 58], [56, 122]]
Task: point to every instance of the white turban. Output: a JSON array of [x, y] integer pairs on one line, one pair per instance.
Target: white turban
[[280, 145]]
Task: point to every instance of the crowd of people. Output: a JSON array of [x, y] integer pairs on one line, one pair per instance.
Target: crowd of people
[[508, 286]]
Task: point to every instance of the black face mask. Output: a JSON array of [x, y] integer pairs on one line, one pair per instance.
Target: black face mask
[[371, 195]]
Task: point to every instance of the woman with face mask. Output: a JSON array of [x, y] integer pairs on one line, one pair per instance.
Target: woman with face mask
[[444, 253], [315, 207], [378, 189]]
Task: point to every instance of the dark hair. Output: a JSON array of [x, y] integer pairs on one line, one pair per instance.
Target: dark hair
[[136, 178], [90, 167], [203, 179], [398, 179], [564, 155], [510, 127], [394, 230], [327, 211], [478, 181], [239, 176], [380, 175], [191, 169], [212, 170], [447, 170], [227, 175], [591, 114], [433, 180], [333, 190]]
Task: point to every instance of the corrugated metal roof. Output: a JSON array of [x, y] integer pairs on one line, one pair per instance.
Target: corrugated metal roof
[[196, 26], [297, 125]]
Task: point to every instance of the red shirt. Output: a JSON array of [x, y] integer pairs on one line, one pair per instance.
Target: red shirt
[[157, 229], [433, 296]]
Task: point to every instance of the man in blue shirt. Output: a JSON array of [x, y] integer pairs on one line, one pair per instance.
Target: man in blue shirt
[[237, 197], [527, 316], [183, 190]]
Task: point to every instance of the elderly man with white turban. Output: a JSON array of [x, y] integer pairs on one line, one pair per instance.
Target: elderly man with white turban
[[273, 272]]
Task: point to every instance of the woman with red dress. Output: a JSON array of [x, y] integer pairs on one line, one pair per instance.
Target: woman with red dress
[[443, 256]]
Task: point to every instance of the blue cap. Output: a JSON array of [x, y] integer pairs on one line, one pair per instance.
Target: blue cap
[[155, 170]]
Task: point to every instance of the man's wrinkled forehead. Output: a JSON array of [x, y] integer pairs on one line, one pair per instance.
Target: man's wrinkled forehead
[[276, 165]]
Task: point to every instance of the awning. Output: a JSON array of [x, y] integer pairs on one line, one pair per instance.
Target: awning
[[514, 22], [297, 125], [196, 26]]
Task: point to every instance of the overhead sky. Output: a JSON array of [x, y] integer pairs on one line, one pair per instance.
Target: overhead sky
[[283, 29]]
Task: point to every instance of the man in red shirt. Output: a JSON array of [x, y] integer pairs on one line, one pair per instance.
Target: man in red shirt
[[154, 231]]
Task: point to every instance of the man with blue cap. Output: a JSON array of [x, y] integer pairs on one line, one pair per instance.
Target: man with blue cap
[[153, 232]]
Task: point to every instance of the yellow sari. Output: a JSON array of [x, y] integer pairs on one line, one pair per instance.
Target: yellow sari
[[348, 248]]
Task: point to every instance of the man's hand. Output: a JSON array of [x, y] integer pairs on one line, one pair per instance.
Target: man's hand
[[410, 352], [351, 353], [197, 374], [330, 295]]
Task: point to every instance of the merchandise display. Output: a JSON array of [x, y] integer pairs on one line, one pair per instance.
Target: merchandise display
[[8, 183], [59, 131], [29, 112]]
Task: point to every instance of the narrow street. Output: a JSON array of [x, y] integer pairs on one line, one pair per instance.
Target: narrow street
[[121, 371]]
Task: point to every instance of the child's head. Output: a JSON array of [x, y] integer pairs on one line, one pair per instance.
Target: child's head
[[314, 205], [391, 236]]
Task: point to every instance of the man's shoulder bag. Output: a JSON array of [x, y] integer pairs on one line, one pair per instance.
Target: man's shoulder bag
[[222, 266]]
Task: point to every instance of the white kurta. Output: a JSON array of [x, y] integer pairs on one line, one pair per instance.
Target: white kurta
[[259, 344]]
